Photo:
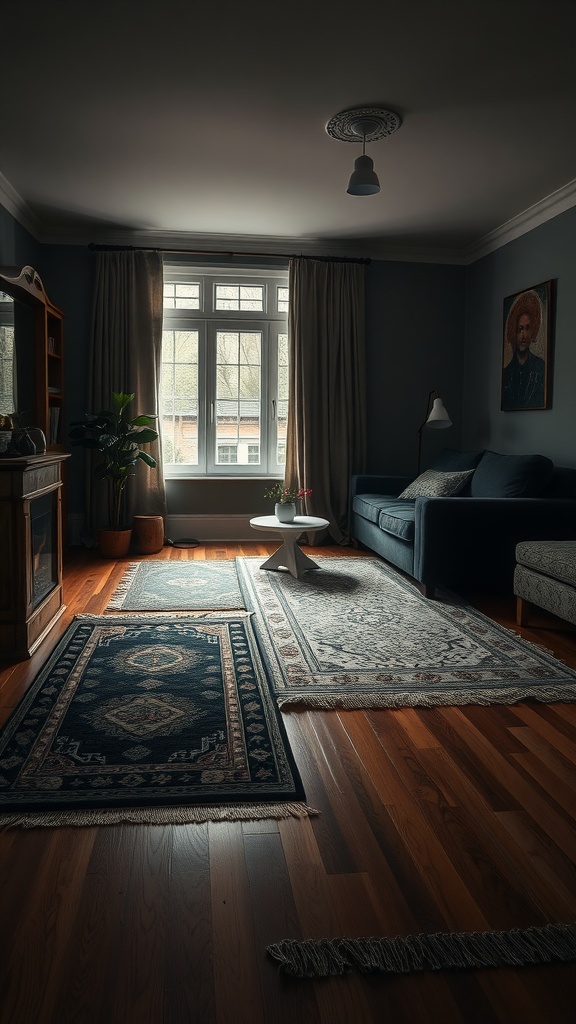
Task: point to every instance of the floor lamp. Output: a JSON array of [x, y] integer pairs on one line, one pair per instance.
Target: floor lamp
[[436, 417]]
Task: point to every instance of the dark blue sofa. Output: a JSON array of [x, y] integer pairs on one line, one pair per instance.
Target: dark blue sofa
[[469, 539]]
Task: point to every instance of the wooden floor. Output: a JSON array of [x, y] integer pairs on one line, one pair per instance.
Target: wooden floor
[[436, 819]]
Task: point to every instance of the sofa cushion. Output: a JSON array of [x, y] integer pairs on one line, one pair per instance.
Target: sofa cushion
[[436, 484], [387, 512], [369, 505], [511, 476], [397, 518], [556, 558]]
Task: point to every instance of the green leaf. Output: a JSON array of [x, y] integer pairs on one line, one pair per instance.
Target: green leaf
[[148, 459], [144, 436], [143, 421]]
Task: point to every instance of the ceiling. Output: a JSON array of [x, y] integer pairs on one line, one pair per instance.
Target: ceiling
[[178, 120]]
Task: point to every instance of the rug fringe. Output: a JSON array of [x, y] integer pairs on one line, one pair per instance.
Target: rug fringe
[[430, 699], [156, 815], [324, 958], [117, 599]]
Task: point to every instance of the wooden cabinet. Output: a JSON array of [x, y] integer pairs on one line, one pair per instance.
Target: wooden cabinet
[[38, 354], [50, 375], [31, 598]]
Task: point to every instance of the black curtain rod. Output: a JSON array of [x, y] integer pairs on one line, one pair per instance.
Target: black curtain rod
[[211, 252]]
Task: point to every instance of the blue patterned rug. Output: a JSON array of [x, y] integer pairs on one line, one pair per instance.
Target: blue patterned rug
[[178, 585], [356, 634], [151, 719]]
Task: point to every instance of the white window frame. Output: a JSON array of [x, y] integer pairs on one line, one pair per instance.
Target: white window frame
[[207, 321]]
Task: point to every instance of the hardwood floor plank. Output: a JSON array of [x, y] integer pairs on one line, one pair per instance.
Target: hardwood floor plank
[[32, 965], [457, 904], [139, 989], [236, 977], [189, 993], [499, 870], [331, 839], [97, 950], [519, 788], [555, 874], [369, 834], [274, 917], [558, 733]]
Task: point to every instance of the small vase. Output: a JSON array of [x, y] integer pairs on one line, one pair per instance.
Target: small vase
[[285, 511], [23, 442], [38, 439]]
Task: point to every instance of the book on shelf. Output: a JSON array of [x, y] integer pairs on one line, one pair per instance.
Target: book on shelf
[[54, 423]]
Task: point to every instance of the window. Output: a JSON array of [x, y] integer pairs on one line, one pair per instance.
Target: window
[[224, 382], [7, 381]]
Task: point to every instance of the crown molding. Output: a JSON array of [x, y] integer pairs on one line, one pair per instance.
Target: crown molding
[[546, 209], [12, 201]]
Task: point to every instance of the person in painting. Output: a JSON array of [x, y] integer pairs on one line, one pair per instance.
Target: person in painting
[[523, 378]]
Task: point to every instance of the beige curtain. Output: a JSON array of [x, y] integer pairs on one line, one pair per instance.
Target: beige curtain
[[326, 439], [126, 356]]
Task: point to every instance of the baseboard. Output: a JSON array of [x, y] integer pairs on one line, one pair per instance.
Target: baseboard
[[203, 528], [214, 527]]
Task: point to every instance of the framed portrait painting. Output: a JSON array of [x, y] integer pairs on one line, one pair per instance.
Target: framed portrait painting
[[527, 349]]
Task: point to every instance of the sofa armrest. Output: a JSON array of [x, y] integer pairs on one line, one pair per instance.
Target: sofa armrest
[[477, 537], [371, 483]]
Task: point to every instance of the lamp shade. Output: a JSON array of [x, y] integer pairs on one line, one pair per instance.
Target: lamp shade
[[363, 180], [438, 417]]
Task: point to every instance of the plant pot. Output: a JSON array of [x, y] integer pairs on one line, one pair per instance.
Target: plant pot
[[285, 511], [114, 543], [148, 534]]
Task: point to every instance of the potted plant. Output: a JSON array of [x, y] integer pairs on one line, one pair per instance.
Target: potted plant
[[285, 499], [119, 442]]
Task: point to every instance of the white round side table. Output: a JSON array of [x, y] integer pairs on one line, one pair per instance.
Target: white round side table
[[289, 555]]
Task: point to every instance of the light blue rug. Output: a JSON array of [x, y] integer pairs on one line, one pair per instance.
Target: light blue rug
[[171, 585]]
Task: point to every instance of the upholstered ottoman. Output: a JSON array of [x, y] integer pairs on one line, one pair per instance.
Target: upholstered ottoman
[[545, 575]]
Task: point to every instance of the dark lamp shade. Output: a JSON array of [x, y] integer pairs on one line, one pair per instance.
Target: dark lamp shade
[[363, 180]]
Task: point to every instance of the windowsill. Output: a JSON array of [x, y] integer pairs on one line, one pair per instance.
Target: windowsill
[[211, 479]]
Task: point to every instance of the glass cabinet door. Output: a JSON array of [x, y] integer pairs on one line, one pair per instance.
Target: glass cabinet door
[[43, 547]]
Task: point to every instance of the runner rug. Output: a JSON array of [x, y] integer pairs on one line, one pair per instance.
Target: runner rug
[[178, 585], [150, 719], [356, 634]]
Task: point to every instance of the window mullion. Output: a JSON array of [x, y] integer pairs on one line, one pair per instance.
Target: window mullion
[[210, 400]]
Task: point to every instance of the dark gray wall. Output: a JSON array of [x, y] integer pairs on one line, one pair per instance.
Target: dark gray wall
[[17, 247], [415, 342], [546, 253]]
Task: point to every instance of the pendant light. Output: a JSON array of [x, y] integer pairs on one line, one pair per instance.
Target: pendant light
[[363, 180], [367, 124]]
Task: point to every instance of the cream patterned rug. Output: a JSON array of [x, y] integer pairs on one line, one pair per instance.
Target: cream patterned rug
[[355, 634]]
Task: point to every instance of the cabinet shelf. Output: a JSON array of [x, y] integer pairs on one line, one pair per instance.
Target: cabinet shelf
[[25, 285]]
